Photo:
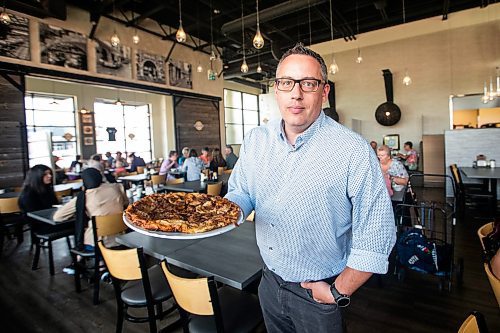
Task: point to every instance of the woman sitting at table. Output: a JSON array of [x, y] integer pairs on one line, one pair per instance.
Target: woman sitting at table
[[217, 160], [37, 193], [97, 199], [185, 155], [192, 166], [170, 163], [394, 170]]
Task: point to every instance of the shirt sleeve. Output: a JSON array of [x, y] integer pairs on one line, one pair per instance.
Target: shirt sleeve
[[66, 212], [238, 185], [373, 225]]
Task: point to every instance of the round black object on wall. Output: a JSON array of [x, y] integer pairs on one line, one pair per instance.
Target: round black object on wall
[[330, 112], [388, 114]]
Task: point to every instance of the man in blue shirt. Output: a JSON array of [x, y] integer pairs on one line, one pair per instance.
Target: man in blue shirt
[[323, 217], [231, 157]]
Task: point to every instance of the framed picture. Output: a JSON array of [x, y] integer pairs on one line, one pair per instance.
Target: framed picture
[[88, 141], [392, 141], [88, 130], [87, 118]]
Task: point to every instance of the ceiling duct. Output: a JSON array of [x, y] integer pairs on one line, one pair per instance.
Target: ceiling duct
[[41, 9], [268, 14]]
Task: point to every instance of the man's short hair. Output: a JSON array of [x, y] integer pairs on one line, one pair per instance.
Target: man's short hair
[[229, 147], [409, 144], [300, 49]]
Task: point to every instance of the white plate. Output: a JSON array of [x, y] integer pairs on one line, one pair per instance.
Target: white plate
[[180, 235]]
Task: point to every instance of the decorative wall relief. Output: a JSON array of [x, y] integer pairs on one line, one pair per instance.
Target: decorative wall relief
[[150, 67], [179, 74], [113, 60], [15, 38], [63, 47]]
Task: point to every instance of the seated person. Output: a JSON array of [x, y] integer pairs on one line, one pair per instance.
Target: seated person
[[120, 170], [121, 159], [492, 248], [410, 156], [205, 157], [76, 165], [135, 161], [217, 160], [373, 144], [192, 166], [96, 162], [391, 168], [97, 199], [109, 160], [231, 157], [185, 154], [170, 163]]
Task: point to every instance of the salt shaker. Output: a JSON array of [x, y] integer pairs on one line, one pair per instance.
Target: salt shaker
[[492, 163]]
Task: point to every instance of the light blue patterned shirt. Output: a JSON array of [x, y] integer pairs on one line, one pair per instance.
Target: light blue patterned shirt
[[319, 206]]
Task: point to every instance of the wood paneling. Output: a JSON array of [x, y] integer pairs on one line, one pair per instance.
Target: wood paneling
[[13, 146], [187, 112]]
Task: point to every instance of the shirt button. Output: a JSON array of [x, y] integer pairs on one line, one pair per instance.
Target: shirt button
[[270, 248]]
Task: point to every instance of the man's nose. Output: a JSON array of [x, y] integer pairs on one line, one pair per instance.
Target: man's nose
[[297, 91]]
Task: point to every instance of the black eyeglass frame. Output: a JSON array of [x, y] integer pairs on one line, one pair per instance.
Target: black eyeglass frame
[[299, 81]]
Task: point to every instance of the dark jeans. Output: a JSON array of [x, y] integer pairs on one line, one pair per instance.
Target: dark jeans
[[287, 307]]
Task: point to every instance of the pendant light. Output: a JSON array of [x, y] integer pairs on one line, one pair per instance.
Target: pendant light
[[258, 40], [334, 68], [115, 40], [135, 37], [180, 35], [244, 66], [199, 68], [259, 69], [359, 58], [406, 79], [5, 17]]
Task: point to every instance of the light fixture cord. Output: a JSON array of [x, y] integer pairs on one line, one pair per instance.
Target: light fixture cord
[[404, 12], [257, 14], [242, 31], [331, 20], [180, 12]]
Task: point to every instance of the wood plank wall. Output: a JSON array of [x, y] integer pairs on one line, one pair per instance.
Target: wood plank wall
[[189, 110], [13, 143]]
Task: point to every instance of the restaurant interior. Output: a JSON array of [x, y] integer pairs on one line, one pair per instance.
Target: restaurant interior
[[83, 78]]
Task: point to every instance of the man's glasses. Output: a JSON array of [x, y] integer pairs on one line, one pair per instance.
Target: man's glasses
[[307, 85]]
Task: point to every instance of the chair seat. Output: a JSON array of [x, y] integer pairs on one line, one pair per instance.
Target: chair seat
[[83, 253], [50, 236], [133, 292], [240, 310]]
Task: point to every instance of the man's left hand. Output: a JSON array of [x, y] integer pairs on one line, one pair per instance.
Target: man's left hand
[[320, 290]]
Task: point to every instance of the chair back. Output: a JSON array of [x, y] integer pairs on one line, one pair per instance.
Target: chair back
[[108, 225], [140, 169], [158, 179], [9, 205], [192, 295], [457, 178], [228, 172], [61, 194], [122, 264], [214, 189], [474, 323], [494, 282], [132, 173], [17, 189], [220, 170], [175, 181], [484, 231]]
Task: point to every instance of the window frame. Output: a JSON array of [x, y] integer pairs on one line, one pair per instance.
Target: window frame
[[242, 109]]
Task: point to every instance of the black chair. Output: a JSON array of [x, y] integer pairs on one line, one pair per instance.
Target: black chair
[[136, 286], [102, 226]]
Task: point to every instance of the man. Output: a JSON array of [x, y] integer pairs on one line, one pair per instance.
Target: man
[[109, 159], [323, 225], [135, 161], [373, 144], [231, 158]]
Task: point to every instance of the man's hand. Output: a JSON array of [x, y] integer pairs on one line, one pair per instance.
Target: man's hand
[[320, 291]]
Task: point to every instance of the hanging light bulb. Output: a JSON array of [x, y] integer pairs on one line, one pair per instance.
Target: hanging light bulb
[[136, 38], [212, 54], [258, 40], [244, 66], [334, 68], [118, 102], [359, 58], [4, 17], [259, 69], [407, 79], [492, 95], [115, 40], [199, 69], [180, 35], [498, 81]]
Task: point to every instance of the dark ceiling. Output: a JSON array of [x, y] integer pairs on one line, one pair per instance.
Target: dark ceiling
[[283, 23]]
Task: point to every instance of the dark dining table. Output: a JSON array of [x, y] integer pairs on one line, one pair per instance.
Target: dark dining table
[[8, 195], [488, 175], [190, 187], [232, 258], [47, 216]]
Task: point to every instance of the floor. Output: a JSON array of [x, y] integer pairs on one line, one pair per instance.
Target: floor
[[33, 301]]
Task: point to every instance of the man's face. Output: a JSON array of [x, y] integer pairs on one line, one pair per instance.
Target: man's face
[[227, 151], [300, 109], [407, 148]]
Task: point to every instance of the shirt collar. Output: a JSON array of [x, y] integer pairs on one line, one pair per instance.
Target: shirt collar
[[304, 136]]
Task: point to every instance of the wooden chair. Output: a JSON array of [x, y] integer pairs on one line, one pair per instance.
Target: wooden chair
[[136, 286], [158, 179], [103, 226], [214, 189], [132, 173], [494, 282], [474, 323], [220, 170], [140, 169], [204, 308], [175, 181], [11, 219], [227, 172], [484, 231], [61, 194]]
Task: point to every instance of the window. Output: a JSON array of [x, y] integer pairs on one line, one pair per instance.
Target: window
[[132, 125], [241, 115], [50, 124]]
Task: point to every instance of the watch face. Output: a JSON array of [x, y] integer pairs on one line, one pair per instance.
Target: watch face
[[343, 301]]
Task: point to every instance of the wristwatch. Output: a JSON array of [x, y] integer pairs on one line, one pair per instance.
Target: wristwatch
[[341, 299]]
